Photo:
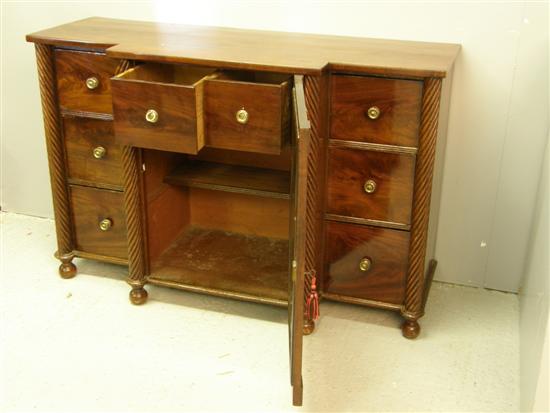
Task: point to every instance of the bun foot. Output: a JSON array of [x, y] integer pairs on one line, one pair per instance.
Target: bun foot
[[67, 269], [410, 329], [309, 326], [138, 296]]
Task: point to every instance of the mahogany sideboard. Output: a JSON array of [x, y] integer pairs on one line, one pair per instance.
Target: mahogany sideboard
[[272, 167]]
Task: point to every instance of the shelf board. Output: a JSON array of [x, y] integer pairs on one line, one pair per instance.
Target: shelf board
[[226, 264], [269, 183]]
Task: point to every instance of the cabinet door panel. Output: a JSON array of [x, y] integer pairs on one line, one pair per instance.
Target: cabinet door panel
[[298, 239]]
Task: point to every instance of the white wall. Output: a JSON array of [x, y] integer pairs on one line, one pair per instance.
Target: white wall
[[498, 108]]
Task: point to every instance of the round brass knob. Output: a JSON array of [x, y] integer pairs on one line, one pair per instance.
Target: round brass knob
[[92, 83], [369, 186], [99, 152], [242, 116], [105, 224], [365, 264], [373, 112], [152, 116]]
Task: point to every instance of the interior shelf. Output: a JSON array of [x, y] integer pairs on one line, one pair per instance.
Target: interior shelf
[[227, 264], [232, 178]]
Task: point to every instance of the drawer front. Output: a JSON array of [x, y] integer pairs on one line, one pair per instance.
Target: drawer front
[[76, 87], [370, 185], [99, 222], [92, 154], [264, 125], [366, 262], [376, 110], [155, 115]]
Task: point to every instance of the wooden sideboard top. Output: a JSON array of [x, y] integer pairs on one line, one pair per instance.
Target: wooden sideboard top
[[252, 49]]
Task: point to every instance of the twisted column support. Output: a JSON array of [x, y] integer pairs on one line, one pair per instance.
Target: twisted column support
[[56, 159], [416, 279], [131, 165]]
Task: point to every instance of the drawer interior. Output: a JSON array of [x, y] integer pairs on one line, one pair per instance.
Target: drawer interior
[[182, 75], [265, 78]]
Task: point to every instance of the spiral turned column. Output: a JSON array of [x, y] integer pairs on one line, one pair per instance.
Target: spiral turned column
[[56, 159], [416, 279], [315, 94], [131, 165]]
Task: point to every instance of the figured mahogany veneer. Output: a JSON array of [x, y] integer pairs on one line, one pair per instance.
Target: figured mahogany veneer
[[73, 68], [174, 93], [83, 136], [350, 169], [397, 100], [348, 244], [90, 207], [264, 97]]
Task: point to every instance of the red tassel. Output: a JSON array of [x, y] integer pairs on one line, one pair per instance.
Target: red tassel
[[312, 300]]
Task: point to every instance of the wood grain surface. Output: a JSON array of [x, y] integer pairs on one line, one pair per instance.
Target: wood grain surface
[[269, 183], [399, 102], [393, 174], [82, 136], [90, 206], [387, 249], [252, 49], [145, 88], [229, 262], [268, 115], [73, 68]]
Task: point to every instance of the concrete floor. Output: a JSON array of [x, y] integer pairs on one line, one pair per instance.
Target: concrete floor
[[78, 345]]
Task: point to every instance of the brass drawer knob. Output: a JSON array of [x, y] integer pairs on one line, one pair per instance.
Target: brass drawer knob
[[369, 186], [365, 264], [105, 224], [152, 116], [92, 83], [99, 152], [373, 112], [242, 116]]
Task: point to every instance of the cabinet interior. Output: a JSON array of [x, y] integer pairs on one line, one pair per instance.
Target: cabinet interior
[[218, 222]]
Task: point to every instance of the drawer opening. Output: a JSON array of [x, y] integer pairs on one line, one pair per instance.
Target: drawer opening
[[182, 75], [211, 229], [160, 106]]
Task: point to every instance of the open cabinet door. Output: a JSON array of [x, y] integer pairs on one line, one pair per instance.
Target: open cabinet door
[[298, 237]]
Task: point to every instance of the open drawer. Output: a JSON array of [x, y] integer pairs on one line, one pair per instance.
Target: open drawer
[[159, 106], [247, 111]]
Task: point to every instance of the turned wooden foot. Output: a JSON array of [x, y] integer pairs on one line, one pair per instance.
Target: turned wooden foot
[[67, 269], [138, 296], [309, 326], [410, 329]]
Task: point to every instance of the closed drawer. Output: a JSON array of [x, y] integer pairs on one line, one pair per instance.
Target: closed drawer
[[366, 262], [92, 154], [247, 111], [83, 81], [376, 110], [370, 185], [160, 107], [99, 222]]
